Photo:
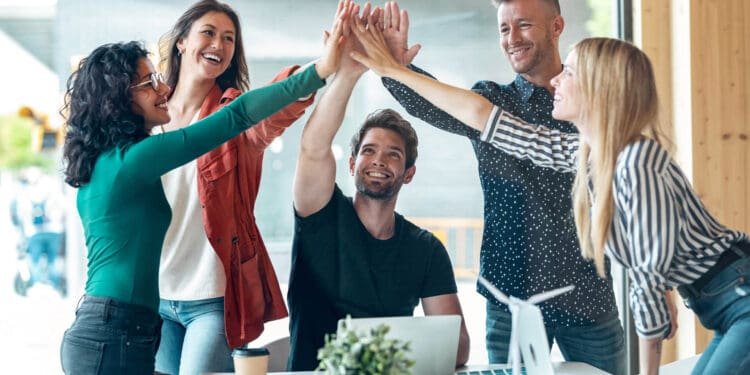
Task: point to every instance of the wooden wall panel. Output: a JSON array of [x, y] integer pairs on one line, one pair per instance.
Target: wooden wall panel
[[721, 111], [719, 105], [653, 34]]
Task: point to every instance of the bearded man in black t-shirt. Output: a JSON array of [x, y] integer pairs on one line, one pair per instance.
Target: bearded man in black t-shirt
[[356, 255]]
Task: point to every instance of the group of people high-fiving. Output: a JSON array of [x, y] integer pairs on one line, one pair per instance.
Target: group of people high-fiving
[[168, 164]]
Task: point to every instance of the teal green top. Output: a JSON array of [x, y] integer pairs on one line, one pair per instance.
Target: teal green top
[[124, 211]]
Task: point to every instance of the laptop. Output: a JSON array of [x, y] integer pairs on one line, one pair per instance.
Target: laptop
[[434, 339], [434, 345]]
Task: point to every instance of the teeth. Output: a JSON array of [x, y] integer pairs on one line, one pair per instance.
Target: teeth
[[376, 174], [212, 56], [520, 50]]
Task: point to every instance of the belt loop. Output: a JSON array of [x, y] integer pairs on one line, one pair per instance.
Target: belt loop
[[80, 301], [737, 250], [107, 310], [690, 291], [694, 292], [741, 248]]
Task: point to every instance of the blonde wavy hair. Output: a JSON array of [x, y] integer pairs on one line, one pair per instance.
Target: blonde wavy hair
[[621, 105]]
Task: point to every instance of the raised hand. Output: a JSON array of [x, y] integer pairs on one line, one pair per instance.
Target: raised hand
[[332, 43], [395, 26], [351, 43], [378, 56]]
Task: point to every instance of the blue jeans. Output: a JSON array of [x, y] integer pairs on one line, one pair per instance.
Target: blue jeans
[[110, 337], [601, 345], [723, 305], [192, 338]]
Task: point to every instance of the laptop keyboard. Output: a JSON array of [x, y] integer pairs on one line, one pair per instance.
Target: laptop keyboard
[[506, 371]]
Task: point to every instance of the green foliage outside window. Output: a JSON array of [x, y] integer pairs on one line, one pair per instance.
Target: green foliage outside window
[[15, 145], [600, 23]]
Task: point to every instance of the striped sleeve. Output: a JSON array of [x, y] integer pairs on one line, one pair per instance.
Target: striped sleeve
[[543, 146], [651, 218]]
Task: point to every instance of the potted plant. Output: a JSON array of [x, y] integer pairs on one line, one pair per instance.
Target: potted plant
[[351, 352]]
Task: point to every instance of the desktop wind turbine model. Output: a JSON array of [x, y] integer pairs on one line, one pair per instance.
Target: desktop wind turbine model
[[518, 306]]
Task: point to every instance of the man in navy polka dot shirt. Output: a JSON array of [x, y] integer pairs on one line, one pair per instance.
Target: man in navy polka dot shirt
[[529, 242]]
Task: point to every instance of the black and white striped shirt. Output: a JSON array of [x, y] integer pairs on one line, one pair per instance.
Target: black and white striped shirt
[[529, 242], [661, 232]]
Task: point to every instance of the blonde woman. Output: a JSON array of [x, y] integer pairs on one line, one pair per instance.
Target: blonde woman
[[631, 200]]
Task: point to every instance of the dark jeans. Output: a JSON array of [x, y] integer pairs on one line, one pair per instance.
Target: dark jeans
[[111, 337], [601, 344], [723, 305]]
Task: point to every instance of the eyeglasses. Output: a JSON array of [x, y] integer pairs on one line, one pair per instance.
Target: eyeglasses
[[156, 80]]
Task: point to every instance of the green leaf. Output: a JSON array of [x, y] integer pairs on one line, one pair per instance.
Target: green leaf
[[352, 352]]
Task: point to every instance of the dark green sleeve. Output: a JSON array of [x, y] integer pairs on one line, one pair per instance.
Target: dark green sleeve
[[158, 154]]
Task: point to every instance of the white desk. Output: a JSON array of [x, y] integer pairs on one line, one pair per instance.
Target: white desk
[[681, 367], [561, 368]]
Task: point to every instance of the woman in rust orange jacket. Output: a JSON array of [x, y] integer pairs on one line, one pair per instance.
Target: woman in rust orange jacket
[[216, 281]]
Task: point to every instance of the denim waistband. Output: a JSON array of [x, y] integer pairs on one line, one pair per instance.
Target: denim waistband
[[738, 251], [134, 319]]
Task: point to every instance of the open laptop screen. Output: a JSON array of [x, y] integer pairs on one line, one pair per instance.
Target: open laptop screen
[[434, 339]]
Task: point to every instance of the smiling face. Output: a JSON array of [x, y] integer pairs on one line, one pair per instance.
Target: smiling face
[[149, 102], [208, 48], [568, 103], [379, 168], [528, 34]]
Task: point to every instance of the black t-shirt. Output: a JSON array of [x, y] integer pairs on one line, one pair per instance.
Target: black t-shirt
[[338, 268]]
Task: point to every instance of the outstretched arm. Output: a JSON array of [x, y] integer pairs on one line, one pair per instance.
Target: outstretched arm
[[316, 167], [465, 105], [261, 135], [149, 159], [543, 146], [395, 25]]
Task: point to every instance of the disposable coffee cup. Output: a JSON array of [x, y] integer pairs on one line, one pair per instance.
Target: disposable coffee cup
[[249, 361]]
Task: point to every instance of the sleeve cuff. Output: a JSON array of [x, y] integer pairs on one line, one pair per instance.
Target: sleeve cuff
[[305, 99], [656, 333]]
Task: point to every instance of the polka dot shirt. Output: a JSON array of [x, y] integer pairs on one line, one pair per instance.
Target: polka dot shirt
[[529, 243]]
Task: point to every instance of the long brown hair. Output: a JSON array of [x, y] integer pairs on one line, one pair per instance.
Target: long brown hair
[[621, 105], [236, 74]]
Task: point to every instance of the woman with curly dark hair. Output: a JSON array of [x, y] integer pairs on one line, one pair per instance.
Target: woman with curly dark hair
[[114, 99]]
